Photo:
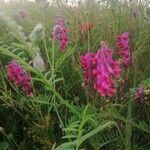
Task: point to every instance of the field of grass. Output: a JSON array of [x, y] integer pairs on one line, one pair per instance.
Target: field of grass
[[75, 77]]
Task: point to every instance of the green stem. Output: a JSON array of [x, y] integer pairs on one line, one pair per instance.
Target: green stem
[[88, 42], [46, 51], [129, 126], [53, 60], [44, 41], [58, 115], [52, 75]]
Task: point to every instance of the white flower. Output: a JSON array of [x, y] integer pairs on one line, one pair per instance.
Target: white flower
[[38, 62], [37, 34]]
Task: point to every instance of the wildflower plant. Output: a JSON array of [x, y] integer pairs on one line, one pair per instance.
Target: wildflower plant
[[123, 43], [86, 26], [60, 33], [42, 102], [38, 62], [19, 77], [102, 69], [37, 33]]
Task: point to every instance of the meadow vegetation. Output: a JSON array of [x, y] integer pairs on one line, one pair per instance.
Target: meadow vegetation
[[75, 77]]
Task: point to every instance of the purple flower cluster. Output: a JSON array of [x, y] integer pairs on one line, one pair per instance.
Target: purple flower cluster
[[20, 77], [86, 63], [102, 69], [59, 33], [139, 95], [123, 43], [105, 72]]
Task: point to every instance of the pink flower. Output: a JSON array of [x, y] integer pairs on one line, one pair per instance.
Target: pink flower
[[102, 70], [20, 77], [59, 33], [60, 20], [105, 72], [123, 43], [139, 95], [86, 64]]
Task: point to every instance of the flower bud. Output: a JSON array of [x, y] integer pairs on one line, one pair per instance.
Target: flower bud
[[38, 62], [37, 33]]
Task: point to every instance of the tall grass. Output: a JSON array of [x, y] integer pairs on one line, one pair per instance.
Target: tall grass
[[62, 114]]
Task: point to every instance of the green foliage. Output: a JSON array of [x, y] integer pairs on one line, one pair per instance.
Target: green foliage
[[62, 114]]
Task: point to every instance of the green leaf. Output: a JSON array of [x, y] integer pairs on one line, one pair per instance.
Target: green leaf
[[63, 57], [69, 137]]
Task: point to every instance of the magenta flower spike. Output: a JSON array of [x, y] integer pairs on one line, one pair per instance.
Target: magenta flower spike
[[86, 63], [19, 77], [105, 72], [123, 43], [101, 70], [59, 33]]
